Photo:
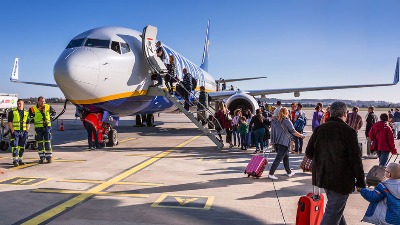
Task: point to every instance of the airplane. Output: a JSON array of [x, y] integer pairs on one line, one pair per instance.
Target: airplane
[[108, 69]]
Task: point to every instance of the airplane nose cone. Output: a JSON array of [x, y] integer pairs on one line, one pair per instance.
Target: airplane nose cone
[[76, 72]]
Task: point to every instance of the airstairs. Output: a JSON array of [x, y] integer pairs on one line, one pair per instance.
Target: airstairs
[[158, 91]]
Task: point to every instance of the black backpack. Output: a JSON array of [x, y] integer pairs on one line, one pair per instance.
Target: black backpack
[[194, 83]]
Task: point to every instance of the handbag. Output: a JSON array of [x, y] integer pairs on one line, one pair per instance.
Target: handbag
[[306, 164]]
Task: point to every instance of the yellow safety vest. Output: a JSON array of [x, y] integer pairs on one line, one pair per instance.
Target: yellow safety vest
[[17, 120], [38, 119]]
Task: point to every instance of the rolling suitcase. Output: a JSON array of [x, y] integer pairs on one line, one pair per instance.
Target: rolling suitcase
[[377, 173], [256, 166], [310, 209]]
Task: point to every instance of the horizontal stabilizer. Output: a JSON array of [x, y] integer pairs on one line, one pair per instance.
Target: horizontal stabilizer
[[14, 77]]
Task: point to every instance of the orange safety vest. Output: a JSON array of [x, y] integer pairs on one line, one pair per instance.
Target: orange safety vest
[[95, 119]]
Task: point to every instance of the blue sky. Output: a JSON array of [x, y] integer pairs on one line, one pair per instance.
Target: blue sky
[[295, 43]]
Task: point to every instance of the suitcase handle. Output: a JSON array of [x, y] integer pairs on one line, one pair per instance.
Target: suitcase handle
[[391, 158], [316, 196]]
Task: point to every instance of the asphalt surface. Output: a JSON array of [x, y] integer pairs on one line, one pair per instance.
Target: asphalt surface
[[168, 174]]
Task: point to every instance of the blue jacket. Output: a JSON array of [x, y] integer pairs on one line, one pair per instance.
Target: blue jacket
[[384, 207]]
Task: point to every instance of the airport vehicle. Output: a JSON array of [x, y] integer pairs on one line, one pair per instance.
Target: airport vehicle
[[7, 102], [109, 69]]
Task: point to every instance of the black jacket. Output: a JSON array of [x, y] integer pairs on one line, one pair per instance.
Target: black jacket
[[337, 164]]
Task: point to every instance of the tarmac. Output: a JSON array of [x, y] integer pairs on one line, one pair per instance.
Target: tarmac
[[167, 174]]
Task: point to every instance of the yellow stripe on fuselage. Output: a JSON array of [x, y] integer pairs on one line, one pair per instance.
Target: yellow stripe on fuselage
[[114, 97]]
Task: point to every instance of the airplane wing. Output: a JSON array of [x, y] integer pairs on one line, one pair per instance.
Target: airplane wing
[[14, 77], [296, 91], [241, 79]]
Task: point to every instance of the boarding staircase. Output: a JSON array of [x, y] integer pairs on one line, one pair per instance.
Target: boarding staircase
[[159, 91]]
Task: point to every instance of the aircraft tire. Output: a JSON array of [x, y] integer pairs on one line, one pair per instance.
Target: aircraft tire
[[150, 120], [139, 121], [4, 145], [112, 138], [34, 145]]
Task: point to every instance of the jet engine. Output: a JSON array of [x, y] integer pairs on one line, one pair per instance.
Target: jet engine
[[243, 101]]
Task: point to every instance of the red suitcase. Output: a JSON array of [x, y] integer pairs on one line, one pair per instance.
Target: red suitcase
[[310, 209], [256, 166]]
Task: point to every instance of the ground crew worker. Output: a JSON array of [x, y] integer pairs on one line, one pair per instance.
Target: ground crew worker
[[18, 123], [93, 122], [41, 114]]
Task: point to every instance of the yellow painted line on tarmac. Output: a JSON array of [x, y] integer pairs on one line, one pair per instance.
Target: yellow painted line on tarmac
[[121, 182], [129, 139], [91, 192], [65, 191]]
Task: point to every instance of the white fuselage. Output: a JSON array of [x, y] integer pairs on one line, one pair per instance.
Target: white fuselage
[[104, 69]]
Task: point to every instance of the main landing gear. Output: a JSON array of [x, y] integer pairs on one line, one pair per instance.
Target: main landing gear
[[144, 118]]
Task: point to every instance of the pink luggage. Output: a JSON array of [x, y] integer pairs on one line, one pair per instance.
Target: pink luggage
[[256, 166]]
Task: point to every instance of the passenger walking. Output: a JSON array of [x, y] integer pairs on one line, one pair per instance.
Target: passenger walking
[[41, 114], [354, 120], [327, 114], [370, 120], [281, 129], [170, 77], [258, 130], [235, 124], [382, 138], [161, 54], [243, 131], [92, 123], [396, 121], [317, 117], [277, 109], [223, 84], [225, 122], [203, 106], [299, 124], [187, 84], [18, 123], [249, 116], [384, 207], [337, 165]]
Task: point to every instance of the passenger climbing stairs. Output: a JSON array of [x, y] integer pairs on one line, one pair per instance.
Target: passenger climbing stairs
[[158, 91]]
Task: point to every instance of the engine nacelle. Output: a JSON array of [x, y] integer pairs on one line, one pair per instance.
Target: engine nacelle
[[242, 100]]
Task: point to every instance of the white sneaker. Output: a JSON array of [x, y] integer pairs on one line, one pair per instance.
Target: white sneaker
[[291, 174], [272, 177]]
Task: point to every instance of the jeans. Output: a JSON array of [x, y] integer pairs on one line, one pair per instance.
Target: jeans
[[334, 208], [383, 157], [91, 131], [43, 137], [282, 154], [298, 144], [259, 138], [185, 96], [228, 135], [236, 134], [243, 139], [18, 142]]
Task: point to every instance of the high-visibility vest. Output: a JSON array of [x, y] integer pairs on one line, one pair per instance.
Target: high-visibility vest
[[38, 119], [17, 120]]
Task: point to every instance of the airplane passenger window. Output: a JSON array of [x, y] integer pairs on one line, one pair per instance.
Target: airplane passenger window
[[115, 47], [75, 43], [96, 43], [125, 48]]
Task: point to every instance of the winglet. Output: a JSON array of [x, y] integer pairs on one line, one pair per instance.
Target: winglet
[[14, 74], [396, 73], [204, 61]]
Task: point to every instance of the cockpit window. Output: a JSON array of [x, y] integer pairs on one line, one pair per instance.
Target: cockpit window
[[115, 47], [75, 43], [96, 43], [125, 48]]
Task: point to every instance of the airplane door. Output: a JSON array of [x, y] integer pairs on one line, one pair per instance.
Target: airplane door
[[149, 51]]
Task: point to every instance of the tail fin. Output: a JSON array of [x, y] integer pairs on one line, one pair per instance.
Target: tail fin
[[204, 61], [14, 74], [396, 73]]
